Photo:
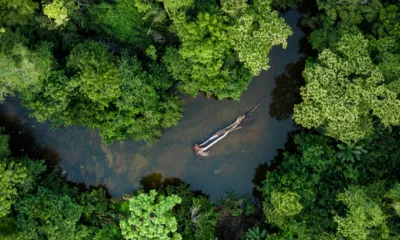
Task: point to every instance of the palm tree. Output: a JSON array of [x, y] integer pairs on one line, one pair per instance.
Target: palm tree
[[255, 234], [350, 151]]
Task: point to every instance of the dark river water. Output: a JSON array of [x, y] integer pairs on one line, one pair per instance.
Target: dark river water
[[120, 166]]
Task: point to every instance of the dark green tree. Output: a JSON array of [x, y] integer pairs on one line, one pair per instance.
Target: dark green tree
[[18, 12], [195, 215]]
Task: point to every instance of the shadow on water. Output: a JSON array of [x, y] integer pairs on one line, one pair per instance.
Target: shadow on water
[[261, 170], [23, 142], [121, 166], [157, 181], [287, 90]]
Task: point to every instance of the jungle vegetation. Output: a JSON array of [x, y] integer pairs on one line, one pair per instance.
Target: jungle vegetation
[[119, 66]]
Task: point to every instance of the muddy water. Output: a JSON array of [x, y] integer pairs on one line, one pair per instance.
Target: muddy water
[[121, 165]]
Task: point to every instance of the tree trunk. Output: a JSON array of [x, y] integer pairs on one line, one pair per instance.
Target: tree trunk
[[202, 149]]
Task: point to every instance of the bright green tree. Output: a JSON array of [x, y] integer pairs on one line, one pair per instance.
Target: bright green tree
[[255, 32], [17, 176], [57, 12], [394, 196], [173, 6], [344, 91], [281, 207], [12, 175], [221, 52], [364, 219], [23, 70], [151, 217], [97, 75]]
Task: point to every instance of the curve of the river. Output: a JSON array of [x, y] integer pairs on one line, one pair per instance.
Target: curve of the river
[[120, 166]]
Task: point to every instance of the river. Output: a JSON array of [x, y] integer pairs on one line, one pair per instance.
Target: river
[[120, 166]]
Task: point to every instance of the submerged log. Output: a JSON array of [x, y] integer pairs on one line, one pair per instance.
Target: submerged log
[[202, 148]]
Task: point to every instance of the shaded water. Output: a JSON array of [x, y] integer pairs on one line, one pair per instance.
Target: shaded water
[[121, 165]]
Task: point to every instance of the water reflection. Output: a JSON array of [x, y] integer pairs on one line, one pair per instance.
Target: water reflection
[[120, 166], [287, 90], [156, 181], [261, 170], [22, 142]]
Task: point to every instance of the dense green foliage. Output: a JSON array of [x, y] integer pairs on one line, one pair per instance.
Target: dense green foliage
[[16, 176], [114, 95], [118, 66], [196, 216], [342, 180], [344, 92], [40, 205], [214, 46], [151, 217], [237, 205], [36, 204], [339, 182], [316, 195], [354, 83]]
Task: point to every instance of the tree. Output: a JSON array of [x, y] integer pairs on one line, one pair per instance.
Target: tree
[[234, 7], [255, 234], [195, 215], [220, 53], [16, 176], [57, 12], [237, 205], [151, 217], [344, 91], [17, 12], [200, 62], [49, 215], [334, 204], [350, 152], [295, 192], [114, 95], [386, 31], [254, 34], [23, 70], [394, 196], [364, 220], [284, 4], [351, 12], [388, 24], [11, 176], [173, 6], [123, 20], [282, 207]]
